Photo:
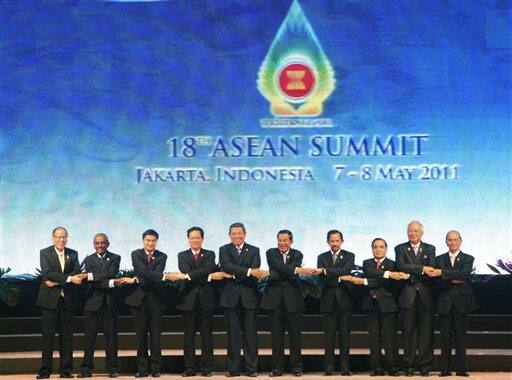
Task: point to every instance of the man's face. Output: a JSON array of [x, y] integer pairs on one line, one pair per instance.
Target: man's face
[[284, 242], [414, 233], [60, 239], [100, 244], [335, 242], [237, 235], [453, 241], [379, 249], [195, 240], [149, 243]]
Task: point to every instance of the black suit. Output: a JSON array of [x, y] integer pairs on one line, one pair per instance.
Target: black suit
[[380, 304], [454, 304], [197, 302], [417, 303], [147, 303], [283, 299], [101, 304], [57, 310], [336, 304], [239, 298]]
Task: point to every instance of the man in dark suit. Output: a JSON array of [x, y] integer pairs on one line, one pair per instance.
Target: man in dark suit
[[239, 298], [455, 302], [380, 305], [147, 303], [416, 299], [60, 270], [102, 268], [283, 299], [335, 267], [197, 301]]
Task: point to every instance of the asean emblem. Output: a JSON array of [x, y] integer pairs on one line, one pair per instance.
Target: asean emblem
[[296, 77]]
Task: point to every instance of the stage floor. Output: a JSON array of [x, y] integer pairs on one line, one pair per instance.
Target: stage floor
[[308, 376]]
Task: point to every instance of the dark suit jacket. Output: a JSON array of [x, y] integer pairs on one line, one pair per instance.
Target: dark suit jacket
[[458, 295], [48, 298], [283, 283], [102, 272], [408, 262], [150, 276], [242, 286], [383, 289], [198, 285], [333, 290]]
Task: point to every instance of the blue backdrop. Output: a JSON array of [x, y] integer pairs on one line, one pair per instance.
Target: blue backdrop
[[99, 98]]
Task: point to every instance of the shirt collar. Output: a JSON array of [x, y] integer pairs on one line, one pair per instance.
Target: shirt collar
[[336, 253], [147, 253], [101, 256], [285, 253], [455, 254], [59, 252]]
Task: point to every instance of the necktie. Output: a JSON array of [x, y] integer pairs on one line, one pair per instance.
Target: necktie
[[284, 256], [452, 260], [196, 255], [334, 257], [150, 258], [378, 264], [239, 250], [61, 261]]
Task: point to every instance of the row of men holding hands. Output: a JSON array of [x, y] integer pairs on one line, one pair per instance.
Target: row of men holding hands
[[416, 266]]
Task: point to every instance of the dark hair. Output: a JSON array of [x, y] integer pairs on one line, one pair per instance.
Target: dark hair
[[288, 232], [332, 232], [201, 232], [101, 234], [59, 228], [150, 233], [237, 225], [379, 239]]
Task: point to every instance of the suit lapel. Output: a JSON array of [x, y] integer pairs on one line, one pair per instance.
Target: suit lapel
[[55, 258]]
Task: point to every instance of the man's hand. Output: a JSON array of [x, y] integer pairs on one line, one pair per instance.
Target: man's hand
[[227, 275], [357, 281], [395, 276], [50, 284], [217, 275], [259, 273], [124, 281], [77, 279], [306, 271], [175, 276], [404, 276], [346, 277], [457, 282], [428, 270], [435, 273]]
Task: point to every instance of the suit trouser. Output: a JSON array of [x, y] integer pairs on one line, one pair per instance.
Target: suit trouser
[[239, 318], [148, 322], [417, 335], [458, 323], [337, 321], [278, 319], [382, 330], [59, 320], [92, 321], [192, 319]]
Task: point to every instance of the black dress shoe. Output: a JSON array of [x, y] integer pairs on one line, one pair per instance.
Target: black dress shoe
[[66, 375], [141, 374], [328, 373], [377, 372], [409, 372], [252, 374], [346, 372], [275, 373], [425, 373], [206, 374], [463, 374], [232, 374], [189, 373], [393, 372], [297, 372], [445, 374], [43, 375], [84, 374], [113, 374], [155, 374]]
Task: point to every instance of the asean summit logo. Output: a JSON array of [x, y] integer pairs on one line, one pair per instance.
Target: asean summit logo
[[296, 77]]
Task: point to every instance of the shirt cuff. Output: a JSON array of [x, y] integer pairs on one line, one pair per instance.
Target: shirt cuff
[[188, 277], [163, 277], [209, 278], [249, 272], [90, 277], [68, 279], [386, 274], [365, 281], [111, 283]]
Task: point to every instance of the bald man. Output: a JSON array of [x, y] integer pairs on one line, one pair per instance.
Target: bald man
[[416, 301], [455, 302]]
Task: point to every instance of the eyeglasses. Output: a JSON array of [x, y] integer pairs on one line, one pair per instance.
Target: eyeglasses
[[60, 237]]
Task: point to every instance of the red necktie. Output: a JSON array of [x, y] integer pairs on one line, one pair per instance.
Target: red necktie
[[378, 264], [150, 258]]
